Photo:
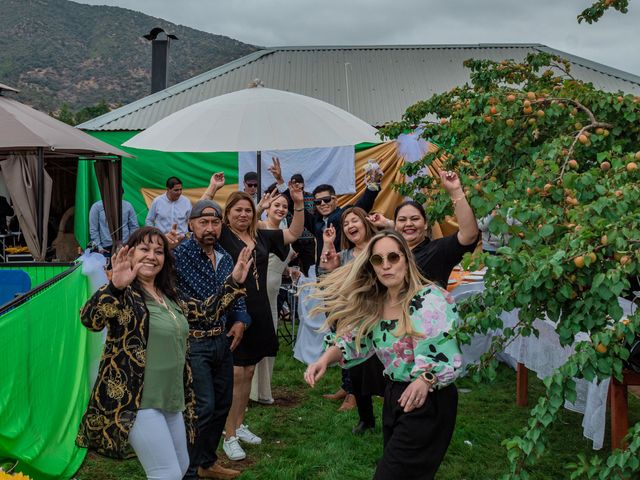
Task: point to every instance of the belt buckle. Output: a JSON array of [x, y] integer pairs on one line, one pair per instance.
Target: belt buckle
[[216, 331]]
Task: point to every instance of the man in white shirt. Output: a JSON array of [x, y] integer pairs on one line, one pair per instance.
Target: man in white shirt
[[169, 209]]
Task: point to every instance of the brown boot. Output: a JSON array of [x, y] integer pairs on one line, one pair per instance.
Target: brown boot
[[218, 471], [348, 404], [339, 395]]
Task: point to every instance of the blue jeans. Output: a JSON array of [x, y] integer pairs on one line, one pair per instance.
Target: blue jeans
[[212, 366]]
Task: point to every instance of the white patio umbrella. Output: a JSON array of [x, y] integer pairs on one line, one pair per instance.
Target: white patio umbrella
[[255, 119]]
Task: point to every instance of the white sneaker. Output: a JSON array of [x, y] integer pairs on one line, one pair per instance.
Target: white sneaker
[[233, 449], [247, 436]]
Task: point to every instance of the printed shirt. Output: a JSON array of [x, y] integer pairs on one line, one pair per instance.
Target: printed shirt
[[198, 279], [433, 314], [164, 213]]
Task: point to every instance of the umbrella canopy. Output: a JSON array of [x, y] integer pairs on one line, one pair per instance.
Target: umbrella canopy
[[23, 128], [255, 119]]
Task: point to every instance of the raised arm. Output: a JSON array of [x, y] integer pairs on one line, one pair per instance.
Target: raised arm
[[215, 183], [329, 260], [108, 303], [467, 224], [296, 228]]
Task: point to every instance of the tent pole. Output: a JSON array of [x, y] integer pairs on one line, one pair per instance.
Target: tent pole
[[40, 197], [259, 172]]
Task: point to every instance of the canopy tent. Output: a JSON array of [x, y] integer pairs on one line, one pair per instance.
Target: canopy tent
[[29, 137]]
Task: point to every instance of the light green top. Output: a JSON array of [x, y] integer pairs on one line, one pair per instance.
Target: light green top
[[166, 349]]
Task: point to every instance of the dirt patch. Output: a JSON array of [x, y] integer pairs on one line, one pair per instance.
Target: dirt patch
[[283, 397], [241, 465]]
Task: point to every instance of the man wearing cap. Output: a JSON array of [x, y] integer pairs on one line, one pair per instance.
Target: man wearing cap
[[202, 267], [251, 185]]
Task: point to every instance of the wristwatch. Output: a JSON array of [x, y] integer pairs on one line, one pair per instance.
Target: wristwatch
[[429, 378]]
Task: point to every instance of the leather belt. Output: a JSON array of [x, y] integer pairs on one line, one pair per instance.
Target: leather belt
[[214, 332]]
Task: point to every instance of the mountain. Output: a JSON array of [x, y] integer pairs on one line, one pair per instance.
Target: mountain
[[58, 51]]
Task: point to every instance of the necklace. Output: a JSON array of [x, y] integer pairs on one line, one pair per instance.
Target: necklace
[[159, 298]]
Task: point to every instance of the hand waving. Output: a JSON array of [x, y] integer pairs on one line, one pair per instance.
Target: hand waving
[[297, 195], [123, 270], [242, 265], [266, 200]]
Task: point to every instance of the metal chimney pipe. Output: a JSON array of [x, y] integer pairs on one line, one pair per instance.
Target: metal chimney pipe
[[159, 64], [159, 58]]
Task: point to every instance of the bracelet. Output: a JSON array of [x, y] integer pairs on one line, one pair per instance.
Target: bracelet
[[456, 200], [298, 209]]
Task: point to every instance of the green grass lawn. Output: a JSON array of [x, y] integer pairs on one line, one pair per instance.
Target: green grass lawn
[[306, 438]]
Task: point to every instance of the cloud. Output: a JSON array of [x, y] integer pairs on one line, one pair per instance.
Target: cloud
[[377, 22]]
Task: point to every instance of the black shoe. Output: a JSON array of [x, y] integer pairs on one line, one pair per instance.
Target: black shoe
[[362, 427]]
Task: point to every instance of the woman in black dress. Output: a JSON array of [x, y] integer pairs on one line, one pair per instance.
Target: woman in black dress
[[239, 230]]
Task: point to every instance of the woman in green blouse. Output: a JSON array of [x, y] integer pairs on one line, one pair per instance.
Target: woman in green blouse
[[142, 402], [379, 304]]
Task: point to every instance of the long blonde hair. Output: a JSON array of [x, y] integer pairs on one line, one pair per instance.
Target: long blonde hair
[[353, 297], [234, 198]]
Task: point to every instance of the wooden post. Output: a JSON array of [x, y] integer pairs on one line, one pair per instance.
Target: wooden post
[[619, 413], [522, 385]]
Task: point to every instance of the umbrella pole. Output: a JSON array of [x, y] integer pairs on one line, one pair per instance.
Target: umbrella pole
[[259, 172], [40, 197]]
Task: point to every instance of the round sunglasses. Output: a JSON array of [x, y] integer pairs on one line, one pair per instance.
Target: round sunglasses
[[377, 260]]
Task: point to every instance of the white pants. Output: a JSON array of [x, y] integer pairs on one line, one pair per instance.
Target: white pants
[[160, 442]]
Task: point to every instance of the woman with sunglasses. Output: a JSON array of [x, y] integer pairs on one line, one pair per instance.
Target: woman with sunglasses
[[435, 258], [380, 304], [240, 230], [364, 380]]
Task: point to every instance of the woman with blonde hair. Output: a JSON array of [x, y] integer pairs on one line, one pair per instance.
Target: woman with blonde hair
[[240, 230], [380, 304]]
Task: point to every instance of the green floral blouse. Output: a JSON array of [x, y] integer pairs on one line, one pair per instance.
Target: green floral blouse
[[433, 314]]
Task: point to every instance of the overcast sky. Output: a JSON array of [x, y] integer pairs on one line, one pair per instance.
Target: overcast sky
[[612, 41]]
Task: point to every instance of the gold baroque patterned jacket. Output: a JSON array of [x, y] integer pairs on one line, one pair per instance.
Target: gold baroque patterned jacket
[[117, 393]]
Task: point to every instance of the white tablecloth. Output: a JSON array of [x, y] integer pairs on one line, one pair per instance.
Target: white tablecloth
[[542, 355]]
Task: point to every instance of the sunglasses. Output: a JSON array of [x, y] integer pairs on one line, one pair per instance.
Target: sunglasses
[[377, 260], [320, 201], [252, 185]]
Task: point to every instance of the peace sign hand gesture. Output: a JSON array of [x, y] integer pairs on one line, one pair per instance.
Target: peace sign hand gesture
[[276, 170], [123, 270], [241, 268]]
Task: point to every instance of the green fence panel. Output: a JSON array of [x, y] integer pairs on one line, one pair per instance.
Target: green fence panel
[[47, 359], [38, 273]]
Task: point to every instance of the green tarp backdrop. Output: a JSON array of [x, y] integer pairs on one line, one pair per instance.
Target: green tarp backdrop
[[150, 169], [46, 361]]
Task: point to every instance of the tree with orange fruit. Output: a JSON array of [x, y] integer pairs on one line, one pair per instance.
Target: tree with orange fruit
[[560, 158]]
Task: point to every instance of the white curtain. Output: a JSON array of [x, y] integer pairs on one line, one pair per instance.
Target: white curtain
[[334, 166]]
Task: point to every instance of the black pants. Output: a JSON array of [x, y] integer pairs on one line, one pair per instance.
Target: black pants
[[367, 380], [415, 443], [212, 367]]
